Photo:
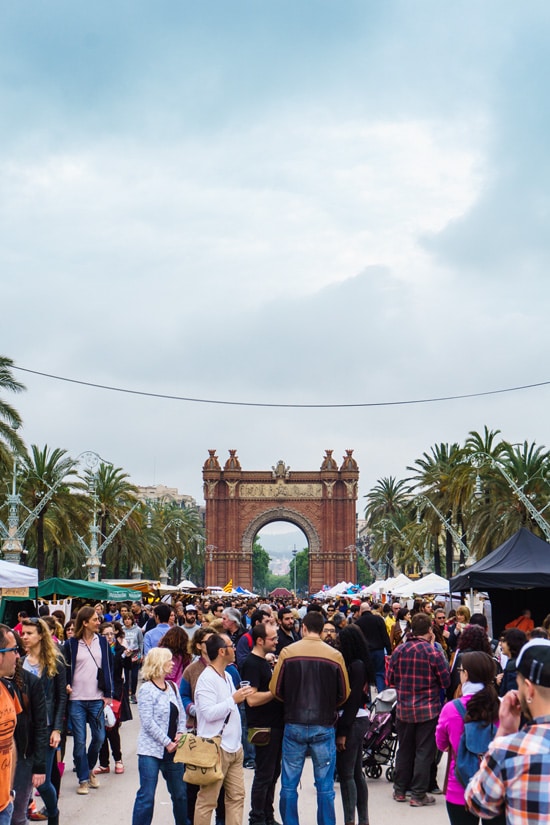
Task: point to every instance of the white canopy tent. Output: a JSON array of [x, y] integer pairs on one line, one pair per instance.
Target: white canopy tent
[[16, 575], [430, 584]]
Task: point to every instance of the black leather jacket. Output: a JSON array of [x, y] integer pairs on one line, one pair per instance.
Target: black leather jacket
[[32, 735], [55, 692]]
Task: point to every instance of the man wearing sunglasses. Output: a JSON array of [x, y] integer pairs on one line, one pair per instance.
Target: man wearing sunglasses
[[9, 708]]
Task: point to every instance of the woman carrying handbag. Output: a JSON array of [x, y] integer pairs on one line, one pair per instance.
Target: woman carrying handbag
[[162, 726]]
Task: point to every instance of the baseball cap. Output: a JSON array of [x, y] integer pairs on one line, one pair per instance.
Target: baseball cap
[[190, 608], [533, 662]]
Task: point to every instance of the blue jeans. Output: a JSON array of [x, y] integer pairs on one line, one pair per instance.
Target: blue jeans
[[22, 784], [149, 767], [320, 743], [378, 663], [82, 712], [5, 815]]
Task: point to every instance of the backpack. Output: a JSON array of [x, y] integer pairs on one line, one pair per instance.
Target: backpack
[[474, 743]]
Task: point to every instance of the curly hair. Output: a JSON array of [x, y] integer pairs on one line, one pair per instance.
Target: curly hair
[[177, 641], [474, 637]]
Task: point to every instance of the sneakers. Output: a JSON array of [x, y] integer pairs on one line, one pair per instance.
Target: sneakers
[[82, 788], [39, 816], [119, 767], [133, 700], [399, 797], [101, 769], [417, 802], [93, 781], [436, 790]]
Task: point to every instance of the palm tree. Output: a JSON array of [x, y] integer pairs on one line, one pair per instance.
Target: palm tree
[[45, 469], [499, 511], [434, 475], [114, 496], [10, 420], [178, 534], [387, 505]]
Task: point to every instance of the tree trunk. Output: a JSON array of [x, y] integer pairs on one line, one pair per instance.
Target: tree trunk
[[437, 557], [55, 561], [449, 554]]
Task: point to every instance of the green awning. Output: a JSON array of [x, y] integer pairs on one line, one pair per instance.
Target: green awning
[[80, 589]]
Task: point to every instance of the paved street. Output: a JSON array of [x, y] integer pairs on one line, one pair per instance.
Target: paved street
[[114, 800]]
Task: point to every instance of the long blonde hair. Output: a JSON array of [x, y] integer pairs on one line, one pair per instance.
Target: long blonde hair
[[49, 657]]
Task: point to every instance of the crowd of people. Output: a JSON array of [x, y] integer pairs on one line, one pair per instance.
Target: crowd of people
[[276, 682]]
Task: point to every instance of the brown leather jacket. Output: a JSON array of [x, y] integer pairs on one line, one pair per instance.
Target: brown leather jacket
[[311, 679]]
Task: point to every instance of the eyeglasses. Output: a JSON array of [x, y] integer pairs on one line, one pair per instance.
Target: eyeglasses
[[9, 649], [461, 669]]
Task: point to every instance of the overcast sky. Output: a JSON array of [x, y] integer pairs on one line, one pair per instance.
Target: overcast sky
[[285, 202]]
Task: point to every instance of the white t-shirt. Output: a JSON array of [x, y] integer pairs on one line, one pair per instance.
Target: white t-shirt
[[214, 700]]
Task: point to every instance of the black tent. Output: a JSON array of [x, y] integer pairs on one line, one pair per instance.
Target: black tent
[[516, 575]]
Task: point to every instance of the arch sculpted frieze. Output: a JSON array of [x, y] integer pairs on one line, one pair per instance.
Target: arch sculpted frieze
[[281, 514], [281, 489]]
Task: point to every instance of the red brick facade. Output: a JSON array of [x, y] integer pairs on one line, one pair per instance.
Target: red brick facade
[[239, 503]]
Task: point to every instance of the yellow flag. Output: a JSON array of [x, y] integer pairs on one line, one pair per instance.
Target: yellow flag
[[228, 587]]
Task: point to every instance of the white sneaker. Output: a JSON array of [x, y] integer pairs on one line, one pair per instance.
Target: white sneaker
[[82, 788], [93, 781]]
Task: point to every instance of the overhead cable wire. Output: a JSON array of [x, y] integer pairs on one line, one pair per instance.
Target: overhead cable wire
[[223, 402]]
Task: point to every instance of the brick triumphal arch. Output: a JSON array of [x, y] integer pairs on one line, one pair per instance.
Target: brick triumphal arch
[[321, 503]]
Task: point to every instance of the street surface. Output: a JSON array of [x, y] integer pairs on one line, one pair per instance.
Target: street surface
[[114, 800]]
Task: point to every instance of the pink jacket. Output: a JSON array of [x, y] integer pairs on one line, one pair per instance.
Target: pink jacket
[[449, 730]]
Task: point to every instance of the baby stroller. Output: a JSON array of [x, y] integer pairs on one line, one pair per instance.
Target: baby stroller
[[380, 742]]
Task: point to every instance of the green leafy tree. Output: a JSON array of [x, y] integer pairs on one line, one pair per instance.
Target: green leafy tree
[[301, 562], [260, 567], [43, 470], [10, 420], [114, 496], [386, 512], [434, 477]]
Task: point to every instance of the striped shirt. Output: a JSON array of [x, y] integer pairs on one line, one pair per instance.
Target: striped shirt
[[515, 776]]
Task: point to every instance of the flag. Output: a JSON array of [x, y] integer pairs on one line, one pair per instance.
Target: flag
[[228, 587]]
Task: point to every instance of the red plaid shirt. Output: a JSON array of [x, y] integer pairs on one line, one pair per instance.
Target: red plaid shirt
[[419, 672]]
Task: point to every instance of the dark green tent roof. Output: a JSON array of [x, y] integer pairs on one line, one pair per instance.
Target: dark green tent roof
[[80, 589]]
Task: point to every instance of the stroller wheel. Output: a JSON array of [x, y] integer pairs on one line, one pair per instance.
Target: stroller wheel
[[375, 772], [389, 774]]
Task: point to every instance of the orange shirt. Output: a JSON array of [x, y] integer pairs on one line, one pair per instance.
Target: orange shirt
[[521, 623], [9, 708]]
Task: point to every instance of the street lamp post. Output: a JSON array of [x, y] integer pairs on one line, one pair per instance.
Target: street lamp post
[[14, 534], [480, 458], [91, 551], [423, 500], [294, 554], [425, 560]]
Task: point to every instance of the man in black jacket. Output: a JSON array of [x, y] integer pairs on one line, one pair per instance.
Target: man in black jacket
[[374, 630]]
